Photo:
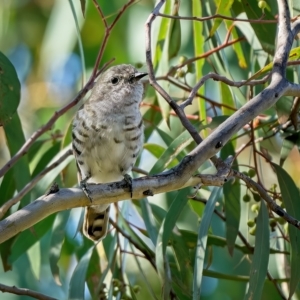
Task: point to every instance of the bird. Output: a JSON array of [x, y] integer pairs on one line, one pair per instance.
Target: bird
[[107, 137]]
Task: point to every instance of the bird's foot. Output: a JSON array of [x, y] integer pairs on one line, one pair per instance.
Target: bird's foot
[[84, 187], [128, 180]]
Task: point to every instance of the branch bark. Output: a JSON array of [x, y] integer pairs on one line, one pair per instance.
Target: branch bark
[[101, 194]]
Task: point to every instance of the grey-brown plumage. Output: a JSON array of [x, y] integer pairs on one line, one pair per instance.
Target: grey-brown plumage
[[108, 136]]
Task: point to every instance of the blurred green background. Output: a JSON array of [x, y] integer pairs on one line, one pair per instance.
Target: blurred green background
[[40, 39]]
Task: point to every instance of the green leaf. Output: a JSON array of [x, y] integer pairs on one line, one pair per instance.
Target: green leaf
[[15, 140], [293, 55], [29, 237], [34, 257], [175, 32], [202, 241], [78, 30], [198, 50], [232, 195], [285, 150], [132, 293], [154, 149], [5, 249], [165, 136], [266, 33], [171, 152], [223, 8], [160, 60], [190, 239], [237, 47], [46, 181], [181, 251], [46, 158], [162, 34], [295, 8], [34, 149], [94, 271], [164, 234], [138, 241], [10, 90], [260, 260], [77, 282], [290, 198], [147, 215], [227, 99], [7, 187], [57, 238], [158, 212]]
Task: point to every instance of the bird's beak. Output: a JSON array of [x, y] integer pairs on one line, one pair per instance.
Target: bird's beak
[[138, 76]]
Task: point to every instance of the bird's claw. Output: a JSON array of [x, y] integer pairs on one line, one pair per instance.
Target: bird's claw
[[85, 189], [128, 180]]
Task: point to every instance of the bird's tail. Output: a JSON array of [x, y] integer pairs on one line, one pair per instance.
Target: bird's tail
[[95, 222]]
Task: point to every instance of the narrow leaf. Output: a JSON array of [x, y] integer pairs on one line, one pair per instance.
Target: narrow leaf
[[175, 32], [154, 149], [171, 152], [223, 8], [15, 140], [77, 282], [259, 266], [290, 197], [161, 60], [164, 234], [202, 241], [147, 215], [10, 90], [232, 194], [56, 243], [266, 33], [198, 50], [29, 237]]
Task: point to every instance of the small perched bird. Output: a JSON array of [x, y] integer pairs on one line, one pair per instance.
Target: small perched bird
[[107, 137]]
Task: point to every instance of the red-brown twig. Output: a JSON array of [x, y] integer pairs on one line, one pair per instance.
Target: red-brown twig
[[108, 28], [206, 54], [23, 150], [7, 205]]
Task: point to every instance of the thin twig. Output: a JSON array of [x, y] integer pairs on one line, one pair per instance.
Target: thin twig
[[152, 80], [23, 150], [24, 292], [264, 195], [184, 87], [137, 246], [218, 16], [30, 185], [218, 77], [108, 29], [206, 54]]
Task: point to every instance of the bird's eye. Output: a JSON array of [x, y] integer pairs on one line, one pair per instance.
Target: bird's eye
[[114, 80]]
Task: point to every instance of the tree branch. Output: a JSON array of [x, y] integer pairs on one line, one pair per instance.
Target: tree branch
[[24, 149], [8, 204], [26, 292], [101, 194]]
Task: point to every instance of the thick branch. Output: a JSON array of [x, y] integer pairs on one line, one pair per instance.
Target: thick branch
[[101, 194]]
